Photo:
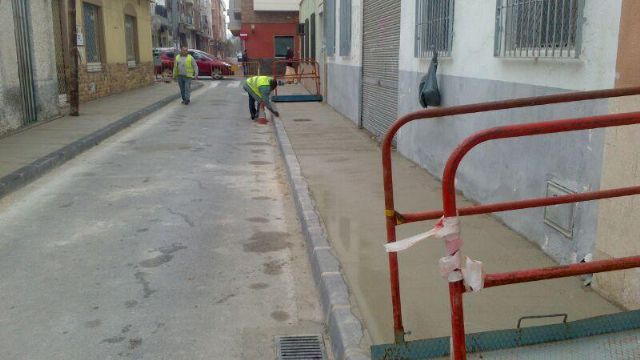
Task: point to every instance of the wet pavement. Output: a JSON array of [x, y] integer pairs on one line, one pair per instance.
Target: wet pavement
[[342, 165]]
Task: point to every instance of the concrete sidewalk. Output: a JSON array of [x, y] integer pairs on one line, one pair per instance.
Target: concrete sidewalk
[[32, 152], [342, 167]]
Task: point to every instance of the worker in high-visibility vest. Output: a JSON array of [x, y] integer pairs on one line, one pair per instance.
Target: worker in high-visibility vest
[[185, 69], [259, 89]]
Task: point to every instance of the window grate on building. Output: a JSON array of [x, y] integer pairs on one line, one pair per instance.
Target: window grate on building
[[307, 36], [434, 27], [312, 36], [345, 27], [538, 28], [91, 32], [330, 27], [282, 43], [130, 39]]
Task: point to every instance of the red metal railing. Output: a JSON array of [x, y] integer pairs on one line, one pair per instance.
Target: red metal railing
[[395, 218], [249, 68], [305, 69], [450, 210]]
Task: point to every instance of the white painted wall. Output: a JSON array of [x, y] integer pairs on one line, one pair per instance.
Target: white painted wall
[[473, 45], [355, 57], [276, 5]]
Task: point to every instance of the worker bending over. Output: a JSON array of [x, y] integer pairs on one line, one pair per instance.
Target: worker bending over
[[259, 89]]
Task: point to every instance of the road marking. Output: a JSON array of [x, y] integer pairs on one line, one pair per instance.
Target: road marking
[[213, 85], [234, 84]]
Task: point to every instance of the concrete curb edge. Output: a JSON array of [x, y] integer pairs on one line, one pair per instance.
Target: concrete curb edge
[[345, 329], [43, 165]]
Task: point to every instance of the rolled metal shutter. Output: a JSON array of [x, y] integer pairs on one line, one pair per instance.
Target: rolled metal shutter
[[381, 46]]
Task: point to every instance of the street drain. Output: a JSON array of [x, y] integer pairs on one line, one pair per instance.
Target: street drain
[[301, 120], [302, 347]]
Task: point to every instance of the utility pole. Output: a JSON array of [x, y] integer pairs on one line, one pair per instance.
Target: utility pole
[[74, 95]]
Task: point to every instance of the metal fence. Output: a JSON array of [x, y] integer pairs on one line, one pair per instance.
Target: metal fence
[[434, 27], [538, 28]]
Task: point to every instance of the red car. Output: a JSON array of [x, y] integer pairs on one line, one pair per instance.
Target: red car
[[208, 65]]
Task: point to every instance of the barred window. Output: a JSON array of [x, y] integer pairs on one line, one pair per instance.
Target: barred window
[[131, 36], [282, 43], [307, 36], [434, 27], [345, 27], [538, 28], [92, 32], [312, 37], [330, 27]]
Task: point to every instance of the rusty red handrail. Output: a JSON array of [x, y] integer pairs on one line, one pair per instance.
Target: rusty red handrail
[[314, 74], [450, 210], [394, 218]]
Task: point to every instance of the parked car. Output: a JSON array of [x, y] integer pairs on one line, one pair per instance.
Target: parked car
[[208, 65]]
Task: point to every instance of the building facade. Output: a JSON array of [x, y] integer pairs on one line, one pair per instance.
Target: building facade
[[618, 227], [343, 38], [311, 41], [114, 43], [162, 30], [218, 28], [487, 54], [28, 74], [190, 23], [235, 17], [267, 28]]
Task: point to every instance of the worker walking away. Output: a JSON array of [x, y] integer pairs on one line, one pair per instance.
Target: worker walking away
[[259, 89], [185, 69]]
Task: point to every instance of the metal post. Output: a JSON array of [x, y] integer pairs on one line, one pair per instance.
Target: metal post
[[74, 94]]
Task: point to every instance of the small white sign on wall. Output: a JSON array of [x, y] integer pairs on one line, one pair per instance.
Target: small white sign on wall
[[79, 36]]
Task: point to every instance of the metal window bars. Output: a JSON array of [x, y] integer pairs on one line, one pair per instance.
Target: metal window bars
[[345, 27], [130, 37], [330, 27], [434, 27], [538, 28], [91, 32]]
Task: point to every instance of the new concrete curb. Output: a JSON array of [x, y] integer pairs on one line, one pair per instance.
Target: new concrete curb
[[41, 166], [345, 329]]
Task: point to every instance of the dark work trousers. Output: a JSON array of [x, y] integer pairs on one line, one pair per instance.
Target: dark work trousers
[[254, 102]]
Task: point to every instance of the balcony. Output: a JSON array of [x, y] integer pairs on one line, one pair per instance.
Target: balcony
[[187, 21]]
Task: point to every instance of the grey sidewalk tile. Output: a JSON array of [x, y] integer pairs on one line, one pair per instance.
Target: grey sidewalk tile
[[345, 329], [74, 142]]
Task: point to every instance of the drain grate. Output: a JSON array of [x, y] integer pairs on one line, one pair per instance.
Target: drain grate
[[301, 347], [301, 120]]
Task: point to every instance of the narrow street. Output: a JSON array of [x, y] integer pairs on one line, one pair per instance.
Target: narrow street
[[175, 239]]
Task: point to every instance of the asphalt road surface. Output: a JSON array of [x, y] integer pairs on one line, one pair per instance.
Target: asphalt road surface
[[175, 239]]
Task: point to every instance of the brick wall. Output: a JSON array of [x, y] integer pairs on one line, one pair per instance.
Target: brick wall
[[113, 79], [250, 16]]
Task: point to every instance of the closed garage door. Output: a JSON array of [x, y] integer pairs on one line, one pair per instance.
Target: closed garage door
[[381, 45]]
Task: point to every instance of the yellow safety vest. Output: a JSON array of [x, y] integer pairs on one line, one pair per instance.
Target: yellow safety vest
[[188, 64], [256, 82]]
